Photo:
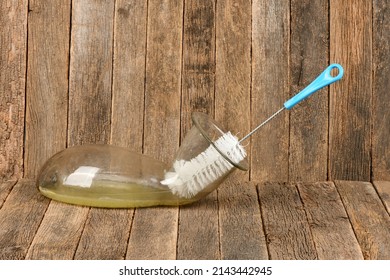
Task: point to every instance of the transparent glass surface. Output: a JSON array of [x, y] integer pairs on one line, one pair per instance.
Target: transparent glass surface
[[115, 177]]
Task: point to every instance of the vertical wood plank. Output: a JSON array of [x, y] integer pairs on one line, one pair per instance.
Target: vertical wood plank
[[233, 66], [129, 74], [330, 226], [20, 218], [5, 188], [105, 235], [285, 222], [241, 227], [198, 236], [350, 99], [198, 230], [47, 82], [59, 232], [13, 41], [198, 80], [383, 189], [308, 157], [369, 218], [270, 89], [154, 231], [381, 96], [90, 72]]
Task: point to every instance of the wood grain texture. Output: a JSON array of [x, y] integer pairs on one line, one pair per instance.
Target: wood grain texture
[[59, 232], [381, 85], [128, 87], [154, 231], [105, 235], [13, 49], [369, 218], [20, 218], [308, 156], [153, 234], [47, 82], [198, 233], [383, 189], [241, 227], [270, 89], [350, 99], [233, 67], [90, 72], [286, 226], [331, 229], [5, 189], [198, 77]]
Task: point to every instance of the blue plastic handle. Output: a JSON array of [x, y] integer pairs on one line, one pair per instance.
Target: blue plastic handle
[[324, 79]]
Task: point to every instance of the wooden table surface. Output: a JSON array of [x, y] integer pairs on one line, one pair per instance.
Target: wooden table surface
[[242, 220]]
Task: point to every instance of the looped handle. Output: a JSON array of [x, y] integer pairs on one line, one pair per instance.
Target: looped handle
[[324, 79]]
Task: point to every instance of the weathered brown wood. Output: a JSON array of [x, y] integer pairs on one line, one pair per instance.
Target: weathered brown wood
[[233, 68], [154, 231], [198, 80], [5, 189], [90, 72], [270, 88], [13, 42], [368, 216], [350, 99], [198, 233], [308, 157], [285, 223], [105, 235], [383, 189], [153, 234], [20, 218], [59, 232], [380, 95], [47, 82], [129, 74], [240, 223], [331, 229]]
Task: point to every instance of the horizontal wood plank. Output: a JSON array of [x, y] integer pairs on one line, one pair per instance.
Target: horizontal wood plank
[[383, 189], [332, 232], [240, 222], [369, 218], [5, 189], [20, 218]]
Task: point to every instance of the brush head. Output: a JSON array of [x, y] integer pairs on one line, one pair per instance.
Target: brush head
[[190, 177]]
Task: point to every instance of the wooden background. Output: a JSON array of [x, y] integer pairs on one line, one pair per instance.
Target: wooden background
[[130, 73]]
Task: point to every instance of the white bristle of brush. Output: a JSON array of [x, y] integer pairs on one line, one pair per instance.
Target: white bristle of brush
[[188, 178]]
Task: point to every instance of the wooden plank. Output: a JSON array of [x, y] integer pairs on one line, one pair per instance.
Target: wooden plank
[[233, 67], [20, 218], [332, 232], [90, 72], [59, 233], [105, 235], [154, 231], [47, 82], [198, 80], [5, 189], [270, 88], [350, 99], [308, 157], [13, 42], [198, 236], [369, 218], [153, 234], [285, 223], [383, 189], [381, 97], [129, 74], [241, 227]]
